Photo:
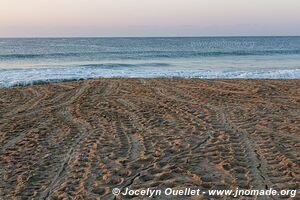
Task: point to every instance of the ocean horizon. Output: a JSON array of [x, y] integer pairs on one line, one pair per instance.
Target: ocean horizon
[[27, 61]]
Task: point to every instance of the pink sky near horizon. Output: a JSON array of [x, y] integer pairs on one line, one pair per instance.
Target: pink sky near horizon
[[148, 17]]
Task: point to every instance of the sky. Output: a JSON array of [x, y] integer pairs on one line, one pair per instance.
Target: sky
[[113, 18]]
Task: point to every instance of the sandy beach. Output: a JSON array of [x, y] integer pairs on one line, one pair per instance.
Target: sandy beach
[[82, 139]]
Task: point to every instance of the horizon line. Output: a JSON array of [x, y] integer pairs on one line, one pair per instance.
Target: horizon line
[[220, 36]]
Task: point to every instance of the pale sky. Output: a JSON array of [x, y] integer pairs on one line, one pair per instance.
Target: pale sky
[[62, 18]]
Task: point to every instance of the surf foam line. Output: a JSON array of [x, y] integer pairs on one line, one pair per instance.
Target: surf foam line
[[31, 76]]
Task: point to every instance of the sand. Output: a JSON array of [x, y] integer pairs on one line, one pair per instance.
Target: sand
[[81, 139]]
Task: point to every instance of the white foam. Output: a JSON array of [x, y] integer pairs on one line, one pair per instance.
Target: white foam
[[29, 76]]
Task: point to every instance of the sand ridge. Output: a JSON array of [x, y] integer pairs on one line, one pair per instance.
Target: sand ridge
[[81, 139]]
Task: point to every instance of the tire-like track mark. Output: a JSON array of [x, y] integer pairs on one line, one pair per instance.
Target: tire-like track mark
[[82, 128], [93, 136]]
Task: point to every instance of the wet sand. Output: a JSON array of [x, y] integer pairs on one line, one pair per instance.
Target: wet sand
[[81, 139]]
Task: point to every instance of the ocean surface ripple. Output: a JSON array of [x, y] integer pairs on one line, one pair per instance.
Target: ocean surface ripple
[[42, 60]]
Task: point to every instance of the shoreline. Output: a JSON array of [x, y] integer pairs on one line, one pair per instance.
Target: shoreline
[[84, 138], [49, 82]]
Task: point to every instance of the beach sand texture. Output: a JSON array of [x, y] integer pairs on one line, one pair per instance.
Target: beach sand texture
[[81, 139]]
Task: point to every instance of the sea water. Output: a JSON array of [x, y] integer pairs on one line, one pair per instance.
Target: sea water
[[38, 60]]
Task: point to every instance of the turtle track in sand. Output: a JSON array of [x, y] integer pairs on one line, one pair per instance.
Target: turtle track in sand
[[81, 139]]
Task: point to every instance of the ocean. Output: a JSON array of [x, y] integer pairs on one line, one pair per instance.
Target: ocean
[[39, 60]]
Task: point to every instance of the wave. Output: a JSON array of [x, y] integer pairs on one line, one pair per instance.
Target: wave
[[12, 78], [42, 82], [121, 65], [151, 54], [30, 56]]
